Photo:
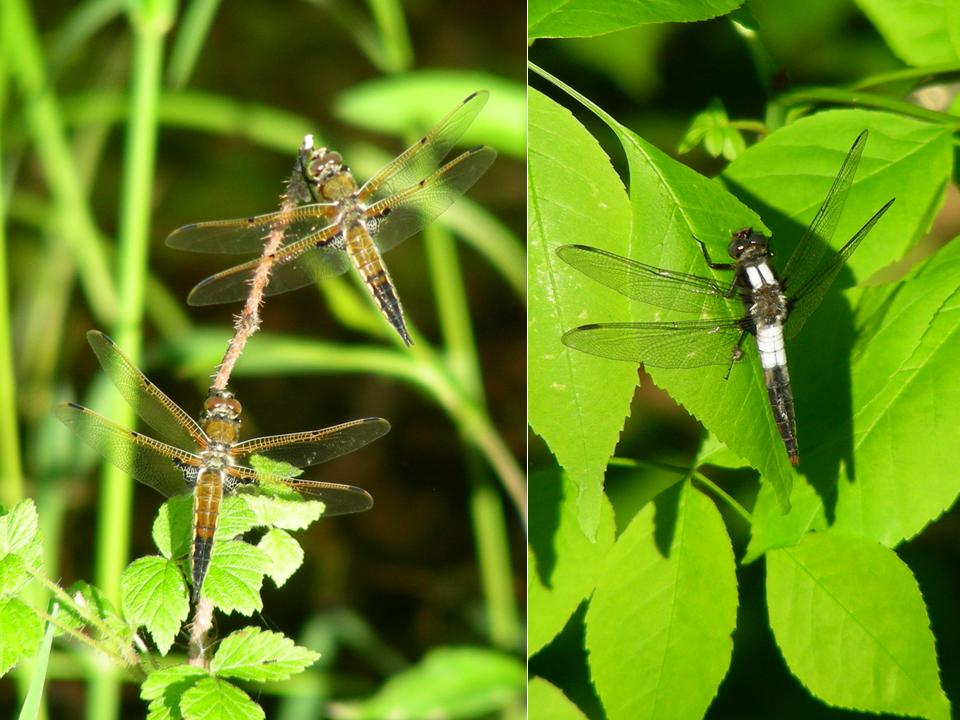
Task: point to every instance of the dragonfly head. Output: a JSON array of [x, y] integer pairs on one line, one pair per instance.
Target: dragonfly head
[[221, 405], [747, 245], [324, 170]]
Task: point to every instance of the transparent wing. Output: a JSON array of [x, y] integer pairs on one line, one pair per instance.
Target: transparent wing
[[802, 264], [410, 210], [304, 449], [296, 265], [247, 235], [148, 461], [161, 413], [660, 344], [338, 499], [422, 158], [809, 296], [646, 283]]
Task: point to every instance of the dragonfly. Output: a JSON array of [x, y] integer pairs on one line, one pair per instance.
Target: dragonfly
[[206, 457], [773, 307], [338, 224]]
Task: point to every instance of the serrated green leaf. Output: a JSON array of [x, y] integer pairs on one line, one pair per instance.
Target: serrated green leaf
[[13, 575], [284, 552], [260, 656], [235, 577], [402, 102], [447, 683], [236, 517], [919, 33], [586, 18], [173, 527], [546, 701], [666, 603], [20, 633], [275, 468], [563, 565], [154, 594], [843, 602], [213, 699], [289, 514], [91, 605], [574, 194], [19, 535], [158, 682]]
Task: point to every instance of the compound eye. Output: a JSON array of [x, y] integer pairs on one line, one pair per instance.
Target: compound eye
[[332, 158], [232, 405]]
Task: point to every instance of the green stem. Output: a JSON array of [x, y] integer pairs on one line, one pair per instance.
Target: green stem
[[723, 495], [149, 21], [911, 73], [394, 38], [486, 510], [820, 95], [11, 470], [46, 126], [193, 30]]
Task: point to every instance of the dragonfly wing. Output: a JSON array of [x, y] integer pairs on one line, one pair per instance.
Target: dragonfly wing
[[161, 466], [399, 216], [803, 263], [304, 449], [809, 296], [691, 344], [295, 265], [421, 159], [247, 235], [338, 499], [646, 283], [161, 413]]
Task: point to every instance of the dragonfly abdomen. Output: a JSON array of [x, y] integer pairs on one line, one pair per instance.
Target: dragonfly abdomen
[[207, 497], [366, 259], [777, 379]]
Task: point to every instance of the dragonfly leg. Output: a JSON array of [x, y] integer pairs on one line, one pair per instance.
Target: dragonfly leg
[[735, 355], [710, 263]]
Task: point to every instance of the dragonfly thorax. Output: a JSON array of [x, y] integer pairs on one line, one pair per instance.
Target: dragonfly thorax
[[748, 246]]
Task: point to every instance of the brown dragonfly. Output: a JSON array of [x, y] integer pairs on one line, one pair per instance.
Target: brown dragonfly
[[206, 458], [338, 224]]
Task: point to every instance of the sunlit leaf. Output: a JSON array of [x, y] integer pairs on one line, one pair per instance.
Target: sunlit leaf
[[852, 625], [660, 621], [284, 552], [919, 33], [260, 656], [20, 633], [547, 702], [214, 699], [235, 577], [584, 18], [154, 594]]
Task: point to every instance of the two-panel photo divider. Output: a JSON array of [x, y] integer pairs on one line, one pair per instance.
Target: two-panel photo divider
[[416, 360]]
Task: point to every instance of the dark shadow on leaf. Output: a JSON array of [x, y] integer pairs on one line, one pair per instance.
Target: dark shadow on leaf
[[665, 517], [545, 500]]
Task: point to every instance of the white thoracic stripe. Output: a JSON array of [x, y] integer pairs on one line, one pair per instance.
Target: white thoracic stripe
[[766, 273], [753, 277], [770, 345]]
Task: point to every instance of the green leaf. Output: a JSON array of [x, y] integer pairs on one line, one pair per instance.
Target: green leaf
[[672, 205], [416, 101], [547, 702], [563, 565], [267, 466], [13, 575], [154, 594], [236, 517], [33, 701], [260, 656], [283, 513], [20, 633], [660, 621], [712, 127], [851, 623], [235, 576], [284, 552], [168, 684], [91, 604], [448, 683], [213, 699], [919, 33], [579, 402], [173, 527], [19, 536], [584, 18]]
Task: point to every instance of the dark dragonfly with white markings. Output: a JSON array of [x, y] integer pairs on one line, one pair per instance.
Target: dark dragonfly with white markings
[[772, 307]]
